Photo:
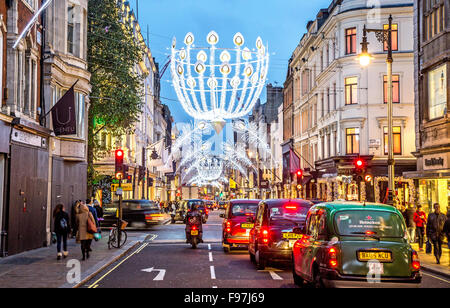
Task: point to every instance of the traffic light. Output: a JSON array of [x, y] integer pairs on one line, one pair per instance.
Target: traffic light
[[359, 169], [299, 186], [299, 174], [119, 164]]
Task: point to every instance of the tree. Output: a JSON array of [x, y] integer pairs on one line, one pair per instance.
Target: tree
[[116, 97]]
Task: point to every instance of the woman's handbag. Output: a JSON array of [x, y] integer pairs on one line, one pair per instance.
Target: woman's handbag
[[428, 247], [91, 227], [97, 237]]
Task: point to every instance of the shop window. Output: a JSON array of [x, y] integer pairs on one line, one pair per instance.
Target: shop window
[[397, 132], [350, 41], [437, 92], [351, 91], [352, 135], [394, 37], [395, 89]]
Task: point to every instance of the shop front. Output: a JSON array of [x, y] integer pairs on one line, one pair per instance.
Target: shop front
[[338, 181], [433, 182], [5, 130]]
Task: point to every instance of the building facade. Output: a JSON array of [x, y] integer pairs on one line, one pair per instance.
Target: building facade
[[340, 108], [432, 102], [137, 145], [66, 65], [5, 121]]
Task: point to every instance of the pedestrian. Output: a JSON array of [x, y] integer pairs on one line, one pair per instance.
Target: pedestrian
[[62, 230], [73, 216], [420, 218], [410, 224], [447, 228], [85, 234], [93, 211], [435, 228]]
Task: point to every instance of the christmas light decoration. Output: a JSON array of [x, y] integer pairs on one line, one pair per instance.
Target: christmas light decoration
[[213, 87]]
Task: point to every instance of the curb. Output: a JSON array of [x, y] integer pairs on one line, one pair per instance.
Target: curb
[[108, 263], [430, 269]]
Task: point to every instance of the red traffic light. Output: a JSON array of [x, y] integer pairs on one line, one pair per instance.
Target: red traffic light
[[119, 153], [359, 163], [299, 173]]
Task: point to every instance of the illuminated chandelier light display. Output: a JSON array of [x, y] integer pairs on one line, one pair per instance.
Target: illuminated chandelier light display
[[251, 136], [216, 84]]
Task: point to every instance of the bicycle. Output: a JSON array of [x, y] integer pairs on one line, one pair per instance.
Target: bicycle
[[113, 238]]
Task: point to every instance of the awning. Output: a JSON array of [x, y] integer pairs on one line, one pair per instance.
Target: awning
[[431, 174]]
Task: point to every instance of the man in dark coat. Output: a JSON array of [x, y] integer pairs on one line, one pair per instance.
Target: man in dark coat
[[410, 224], [435, 231]]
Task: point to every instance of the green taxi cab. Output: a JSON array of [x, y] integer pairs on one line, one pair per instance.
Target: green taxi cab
[[352, 244]]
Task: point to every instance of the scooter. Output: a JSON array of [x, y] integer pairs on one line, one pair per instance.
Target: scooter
[[194, 233]]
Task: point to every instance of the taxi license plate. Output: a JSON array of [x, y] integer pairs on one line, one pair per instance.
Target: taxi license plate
[[292, 235], [247, 226], [194, 232], [383, 256]]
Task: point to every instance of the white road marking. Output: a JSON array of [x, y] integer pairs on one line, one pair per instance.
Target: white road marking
[[160, 275], [213, 272], [275, 276], [209, 246], [214, 287], [210, 257]]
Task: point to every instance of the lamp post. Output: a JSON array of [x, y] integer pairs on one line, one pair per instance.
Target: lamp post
[[384, 36]]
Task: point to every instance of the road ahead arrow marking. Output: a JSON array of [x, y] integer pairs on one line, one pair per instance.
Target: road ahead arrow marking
[[159, 277]]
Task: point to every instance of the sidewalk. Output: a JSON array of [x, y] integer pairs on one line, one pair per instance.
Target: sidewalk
[[39, 268], [428, 261]]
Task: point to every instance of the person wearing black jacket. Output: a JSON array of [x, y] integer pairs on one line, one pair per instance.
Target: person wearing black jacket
[[435, 231], [62, 230]]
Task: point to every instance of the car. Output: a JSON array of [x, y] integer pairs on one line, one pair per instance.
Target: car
[[235, 227], [272, 236], [209, 203], [353, 244], [138, 213], [222, 205], [180, 212], [201, 207]]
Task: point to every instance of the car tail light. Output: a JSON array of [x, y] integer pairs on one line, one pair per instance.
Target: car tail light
[[148, 217], [332, 257], [228, 226], [415, 261], [265, 235]]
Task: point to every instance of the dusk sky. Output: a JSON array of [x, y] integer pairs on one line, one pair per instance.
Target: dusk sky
[[280, 24]]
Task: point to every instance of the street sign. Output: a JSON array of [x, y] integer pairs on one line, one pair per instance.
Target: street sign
[[125, 187]]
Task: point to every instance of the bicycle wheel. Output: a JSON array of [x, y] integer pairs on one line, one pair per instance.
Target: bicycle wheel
[[112, 241], [123, 240]]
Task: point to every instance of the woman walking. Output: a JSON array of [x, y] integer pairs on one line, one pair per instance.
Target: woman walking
[[62, 230], [86, 230]]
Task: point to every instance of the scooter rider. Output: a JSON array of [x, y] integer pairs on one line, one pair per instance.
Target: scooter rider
[[194, 217]]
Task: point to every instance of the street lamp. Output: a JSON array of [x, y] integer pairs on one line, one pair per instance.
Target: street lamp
[[384, 36]]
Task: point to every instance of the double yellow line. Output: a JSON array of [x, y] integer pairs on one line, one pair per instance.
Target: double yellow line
[[95, 284]]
